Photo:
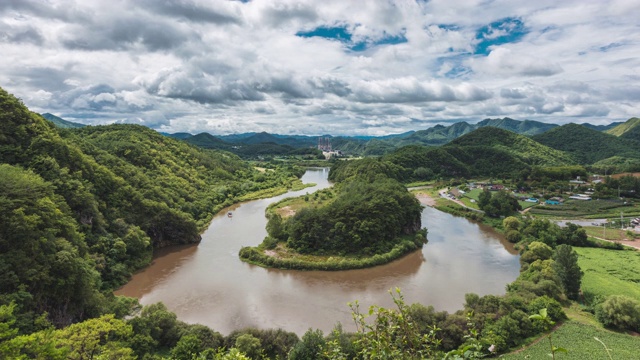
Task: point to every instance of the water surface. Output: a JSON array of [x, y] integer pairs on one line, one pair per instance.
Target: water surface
[[208, 284]]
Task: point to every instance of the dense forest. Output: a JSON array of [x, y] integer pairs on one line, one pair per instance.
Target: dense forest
[[83, 208]]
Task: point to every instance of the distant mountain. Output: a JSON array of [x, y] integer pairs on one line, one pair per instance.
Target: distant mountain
[[437, 135], [62, 123], [179, 135], [524, 127], [207, 141], [440, 135], [587, 146], [601, 127], [624, 127]]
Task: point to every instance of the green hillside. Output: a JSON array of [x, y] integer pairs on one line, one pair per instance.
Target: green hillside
[[587, 146], [519, 146], [80, 209], [624, 127], [61, 123], [487, 151]]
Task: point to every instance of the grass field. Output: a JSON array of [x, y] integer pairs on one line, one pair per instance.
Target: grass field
[[290, 206], [609, 272], [579, 340], [611, 234]]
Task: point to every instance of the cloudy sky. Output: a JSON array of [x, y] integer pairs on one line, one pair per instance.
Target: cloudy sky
[[341, 67]]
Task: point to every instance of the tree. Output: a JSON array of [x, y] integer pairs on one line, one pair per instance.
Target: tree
[[536, 251], [484, 198], [249, 345], [566, 266], [393, 333], [310, 347]]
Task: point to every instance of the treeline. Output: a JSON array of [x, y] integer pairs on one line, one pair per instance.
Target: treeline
[[81, 209]]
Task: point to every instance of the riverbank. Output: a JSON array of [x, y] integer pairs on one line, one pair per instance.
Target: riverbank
[[283, 258]]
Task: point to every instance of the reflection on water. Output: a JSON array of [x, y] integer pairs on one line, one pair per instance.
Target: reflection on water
[[208, 284]]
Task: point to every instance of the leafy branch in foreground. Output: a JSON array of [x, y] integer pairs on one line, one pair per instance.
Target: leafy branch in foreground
[[393, 334], [548, 324]]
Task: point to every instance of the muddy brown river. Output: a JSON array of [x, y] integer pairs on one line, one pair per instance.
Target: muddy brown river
[[208, 284]]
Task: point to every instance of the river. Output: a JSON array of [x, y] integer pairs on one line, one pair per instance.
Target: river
[[208, 284]]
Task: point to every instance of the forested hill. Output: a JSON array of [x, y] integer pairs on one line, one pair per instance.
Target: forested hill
[[81, 211], [588, 146], [625, 127], [487, 151], [62, 123], [522, 147]]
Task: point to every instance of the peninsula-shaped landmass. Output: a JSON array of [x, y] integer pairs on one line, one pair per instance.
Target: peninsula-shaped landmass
[[358, 223]]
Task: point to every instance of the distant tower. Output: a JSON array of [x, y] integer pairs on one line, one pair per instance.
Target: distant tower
[[324, 144]]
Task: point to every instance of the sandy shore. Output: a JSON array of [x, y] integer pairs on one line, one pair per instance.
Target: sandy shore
[[426, 199]]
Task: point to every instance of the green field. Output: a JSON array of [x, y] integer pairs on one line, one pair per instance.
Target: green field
[[579, 341], [610, 272]]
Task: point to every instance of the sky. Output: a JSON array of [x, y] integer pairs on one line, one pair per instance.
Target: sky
[[340, 67]]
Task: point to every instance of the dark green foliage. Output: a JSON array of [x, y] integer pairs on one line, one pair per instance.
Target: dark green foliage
[[156, 326], [310, 346], [96, 201], [587, 146], [486, 151], [619, 311], [499, 204], [566, 266], [366, 170], [249, 345], [275, 343], [43, 258], [364, 218], [557, 173]]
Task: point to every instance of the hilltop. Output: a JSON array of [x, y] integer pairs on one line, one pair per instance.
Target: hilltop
[[62, 123]]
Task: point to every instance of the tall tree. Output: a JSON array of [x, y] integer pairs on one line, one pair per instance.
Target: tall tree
[[566, 266]]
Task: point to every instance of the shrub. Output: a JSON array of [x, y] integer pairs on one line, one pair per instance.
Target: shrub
[[619, 311]]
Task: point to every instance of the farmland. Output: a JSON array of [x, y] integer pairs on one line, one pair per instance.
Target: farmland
[[579, 340], [609, 272], [592, 209]]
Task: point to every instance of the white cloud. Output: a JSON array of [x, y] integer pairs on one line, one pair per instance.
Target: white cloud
[[229, 66]]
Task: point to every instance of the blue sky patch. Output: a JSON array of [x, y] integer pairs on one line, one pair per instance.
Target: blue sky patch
[[504, 31], [340, 33]]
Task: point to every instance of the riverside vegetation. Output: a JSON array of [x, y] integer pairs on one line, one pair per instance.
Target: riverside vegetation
[[81, 209]]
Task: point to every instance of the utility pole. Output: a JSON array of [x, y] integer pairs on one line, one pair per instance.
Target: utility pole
[[621, 223]]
